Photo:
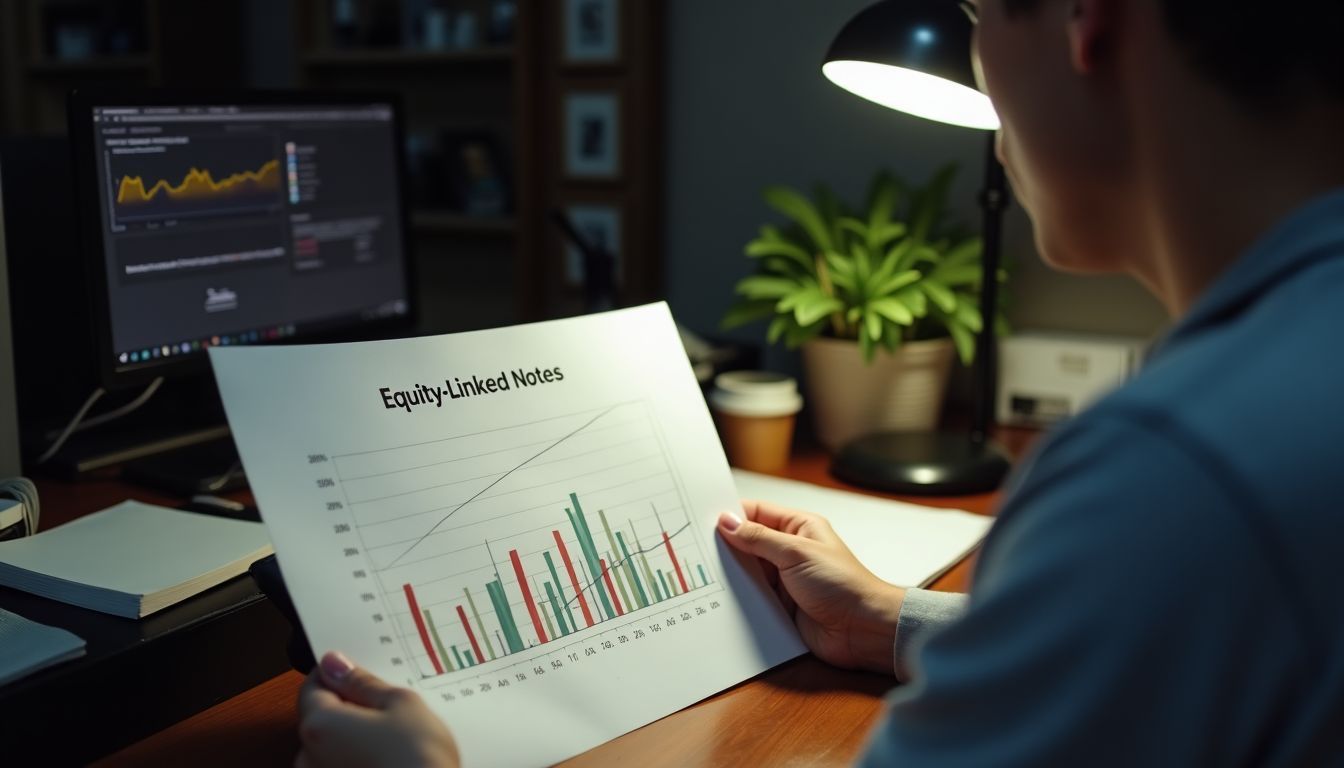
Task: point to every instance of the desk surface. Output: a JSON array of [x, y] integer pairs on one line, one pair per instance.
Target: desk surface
[[803, 712]]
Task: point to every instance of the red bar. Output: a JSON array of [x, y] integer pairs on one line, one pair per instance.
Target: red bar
[[527, 594], [675, 563], [420, 625], [574, 580], [475, 646], [606, 576]]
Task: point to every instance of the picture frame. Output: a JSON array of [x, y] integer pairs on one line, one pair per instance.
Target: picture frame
[[592, 135], [601, 226], [592, 32], [476, 177]]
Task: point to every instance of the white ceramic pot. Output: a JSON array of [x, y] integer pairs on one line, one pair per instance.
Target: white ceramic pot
[[849, 398]]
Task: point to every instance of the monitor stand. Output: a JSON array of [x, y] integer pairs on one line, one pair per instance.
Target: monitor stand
[[177, 442], [208, 467]]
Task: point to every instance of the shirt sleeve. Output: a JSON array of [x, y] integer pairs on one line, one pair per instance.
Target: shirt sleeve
[[1114, 607], [923, 611]]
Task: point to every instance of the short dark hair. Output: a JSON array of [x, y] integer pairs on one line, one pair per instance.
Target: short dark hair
[[1268, 55]]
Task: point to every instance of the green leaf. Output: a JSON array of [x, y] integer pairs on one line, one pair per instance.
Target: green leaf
[[964, 341], [896, 282], [828, 206], [867, 347], [854, 226], [914, 299], [809, 306], [762, 247], [892, 338], [777, 328], [746, 312], [767, 287], [966, 252], [873, 325], [879, 236], [940, 294], [893, 310], [966, 274], [883, 195], [968, 314], [862, 265], [853, 315], [839, 265], [801, 210], [795, 336]]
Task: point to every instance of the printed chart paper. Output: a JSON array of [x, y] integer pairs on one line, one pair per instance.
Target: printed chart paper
[[519, 524]]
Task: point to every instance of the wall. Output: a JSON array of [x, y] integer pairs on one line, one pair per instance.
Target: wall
[[747, 106]]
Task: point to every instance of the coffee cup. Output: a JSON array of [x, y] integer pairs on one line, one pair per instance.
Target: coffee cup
[[755, 412]]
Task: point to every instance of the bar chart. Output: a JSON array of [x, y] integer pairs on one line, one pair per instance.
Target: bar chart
[[490, 545]]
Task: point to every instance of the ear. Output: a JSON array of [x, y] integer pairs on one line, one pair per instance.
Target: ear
[[1091, 24]]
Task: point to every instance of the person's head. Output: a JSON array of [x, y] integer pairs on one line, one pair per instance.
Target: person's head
[[1084, 86]]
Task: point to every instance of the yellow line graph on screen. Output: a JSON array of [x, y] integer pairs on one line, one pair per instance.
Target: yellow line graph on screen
[[199, 184]]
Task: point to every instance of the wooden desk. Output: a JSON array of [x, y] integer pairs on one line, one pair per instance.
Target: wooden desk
[[803, 712]]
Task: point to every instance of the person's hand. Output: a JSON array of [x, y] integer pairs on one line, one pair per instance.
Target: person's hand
[[845, 614], [350, 717]]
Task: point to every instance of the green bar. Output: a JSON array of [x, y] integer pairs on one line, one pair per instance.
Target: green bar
[[505, 616], [460, 664], [555, 606], [616, 570], [589, 552], [433, 630], [480, 625], [644, 561], [471, 662], [559, 589], [509, 625], [545, 614], [634, 572], [703, 578], [663, 581]]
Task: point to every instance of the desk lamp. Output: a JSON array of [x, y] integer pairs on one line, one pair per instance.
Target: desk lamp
[[915, 56]]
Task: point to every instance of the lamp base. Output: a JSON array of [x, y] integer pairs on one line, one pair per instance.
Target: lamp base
[[929, 463]]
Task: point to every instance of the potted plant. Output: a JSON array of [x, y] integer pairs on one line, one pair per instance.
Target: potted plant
[[879, 299]]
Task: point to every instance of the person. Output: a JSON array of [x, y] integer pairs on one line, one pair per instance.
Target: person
[[1161, 584]]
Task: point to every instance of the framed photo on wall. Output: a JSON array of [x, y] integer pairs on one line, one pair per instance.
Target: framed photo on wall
[[592, 31], [600, 227], [592, 135]]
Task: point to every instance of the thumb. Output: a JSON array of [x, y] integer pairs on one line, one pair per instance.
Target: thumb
[[355, 684], [782, 550]]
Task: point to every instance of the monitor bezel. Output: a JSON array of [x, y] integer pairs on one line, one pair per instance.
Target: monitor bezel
[[80, 106]]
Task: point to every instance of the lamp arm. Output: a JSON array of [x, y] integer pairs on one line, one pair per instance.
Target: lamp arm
[[994, 200]]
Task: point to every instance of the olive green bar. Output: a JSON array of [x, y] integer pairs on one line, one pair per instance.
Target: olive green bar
[[634, 572], [434, 631], [480, 625]]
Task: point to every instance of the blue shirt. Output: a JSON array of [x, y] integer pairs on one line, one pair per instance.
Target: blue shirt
[[1165, 582]]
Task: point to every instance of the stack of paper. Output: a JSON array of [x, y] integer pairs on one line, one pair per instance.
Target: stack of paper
[[29, 646], [904, 544], [132, 559]]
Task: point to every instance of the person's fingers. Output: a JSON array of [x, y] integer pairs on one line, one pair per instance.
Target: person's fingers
[[788, 520], [356, 684], [782, 550], [315, 695]]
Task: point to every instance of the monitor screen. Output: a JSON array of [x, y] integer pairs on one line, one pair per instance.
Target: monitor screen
[[239, 222]]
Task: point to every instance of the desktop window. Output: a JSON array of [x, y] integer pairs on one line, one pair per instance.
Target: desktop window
[[237, 224]]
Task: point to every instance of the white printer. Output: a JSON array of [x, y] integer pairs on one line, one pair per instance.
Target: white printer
[[1048, 377]]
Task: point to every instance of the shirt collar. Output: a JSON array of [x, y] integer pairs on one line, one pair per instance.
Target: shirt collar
[[1309, 234]]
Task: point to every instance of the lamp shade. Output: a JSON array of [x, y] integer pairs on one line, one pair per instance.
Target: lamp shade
[[913, 56]]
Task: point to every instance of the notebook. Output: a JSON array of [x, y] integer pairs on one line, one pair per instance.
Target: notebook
[[904, 544], [132, 559]]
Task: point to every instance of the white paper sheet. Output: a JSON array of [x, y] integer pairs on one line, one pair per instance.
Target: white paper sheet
[[380, 494], [904, 544]]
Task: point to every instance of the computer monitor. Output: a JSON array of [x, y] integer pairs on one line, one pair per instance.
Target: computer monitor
[[232, 219]]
